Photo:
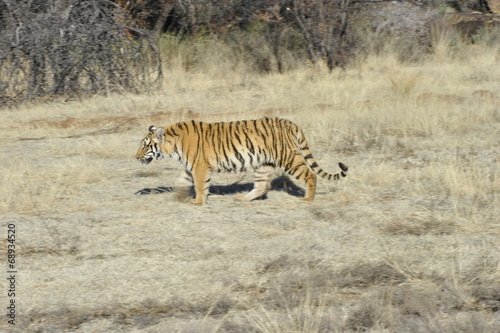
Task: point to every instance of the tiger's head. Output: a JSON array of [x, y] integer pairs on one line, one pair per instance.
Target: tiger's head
[[150, 145]]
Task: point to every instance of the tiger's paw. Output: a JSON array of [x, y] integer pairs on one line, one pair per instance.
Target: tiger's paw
[[241, 197], [196, 203]]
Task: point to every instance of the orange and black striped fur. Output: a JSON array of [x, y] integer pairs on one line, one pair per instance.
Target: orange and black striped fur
[[261, 145]]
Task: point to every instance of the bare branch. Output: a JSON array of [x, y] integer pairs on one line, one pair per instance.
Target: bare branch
[[72, 49]]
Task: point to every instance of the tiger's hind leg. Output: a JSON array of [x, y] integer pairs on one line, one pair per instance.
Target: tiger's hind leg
[[262, 183], [310, 180], [302, 172]]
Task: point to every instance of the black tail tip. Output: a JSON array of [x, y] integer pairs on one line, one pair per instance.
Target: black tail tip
[[343, 167]]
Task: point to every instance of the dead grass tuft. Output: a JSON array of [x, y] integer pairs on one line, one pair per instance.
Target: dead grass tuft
[[403, 83], [148, 313], [425, 223], [368, 274], [487, 295], [289, 280]]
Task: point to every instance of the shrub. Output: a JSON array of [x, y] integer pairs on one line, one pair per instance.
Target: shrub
[[72, 49]]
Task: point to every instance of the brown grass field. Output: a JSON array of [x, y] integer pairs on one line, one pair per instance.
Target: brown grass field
[[408, 242]]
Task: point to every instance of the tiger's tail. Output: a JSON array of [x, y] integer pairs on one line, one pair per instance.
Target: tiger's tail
[[311, 162]]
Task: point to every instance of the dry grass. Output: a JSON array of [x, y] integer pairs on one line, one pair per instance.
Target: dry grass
[[407, 243]]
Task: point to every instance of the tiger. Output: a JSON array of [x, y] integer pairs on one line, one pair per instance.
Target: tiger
[[261, 144]]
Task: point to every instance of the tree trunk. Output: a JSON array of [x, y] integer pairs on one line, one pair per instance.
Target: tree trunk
[[167, 7], [344, 7]]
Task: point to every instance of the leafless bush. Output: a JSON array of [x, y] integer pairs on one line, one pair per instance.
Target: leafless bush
[[72, 49], [324, 26], [407, 24], [332, 31]]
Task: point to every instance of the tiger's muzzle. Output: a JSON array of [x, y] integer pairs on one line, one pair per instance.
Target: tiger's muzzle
[[145, 160]]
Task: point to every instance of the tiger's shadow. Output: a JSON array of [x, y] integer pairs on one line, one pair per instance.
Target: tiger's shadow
[[281, 183]]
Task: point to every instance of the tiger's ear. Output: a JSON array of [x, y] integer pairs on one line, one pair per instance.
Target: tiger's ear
[[159, 135], [151, 129]]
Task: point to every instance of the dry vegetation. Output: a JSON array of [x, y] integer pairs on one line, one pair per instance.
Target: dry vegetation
[[409, 242]]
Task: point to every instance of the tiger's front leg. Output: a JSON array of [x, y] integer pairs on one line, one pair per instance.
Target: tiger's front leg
[[201, 182], [184, 187]]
